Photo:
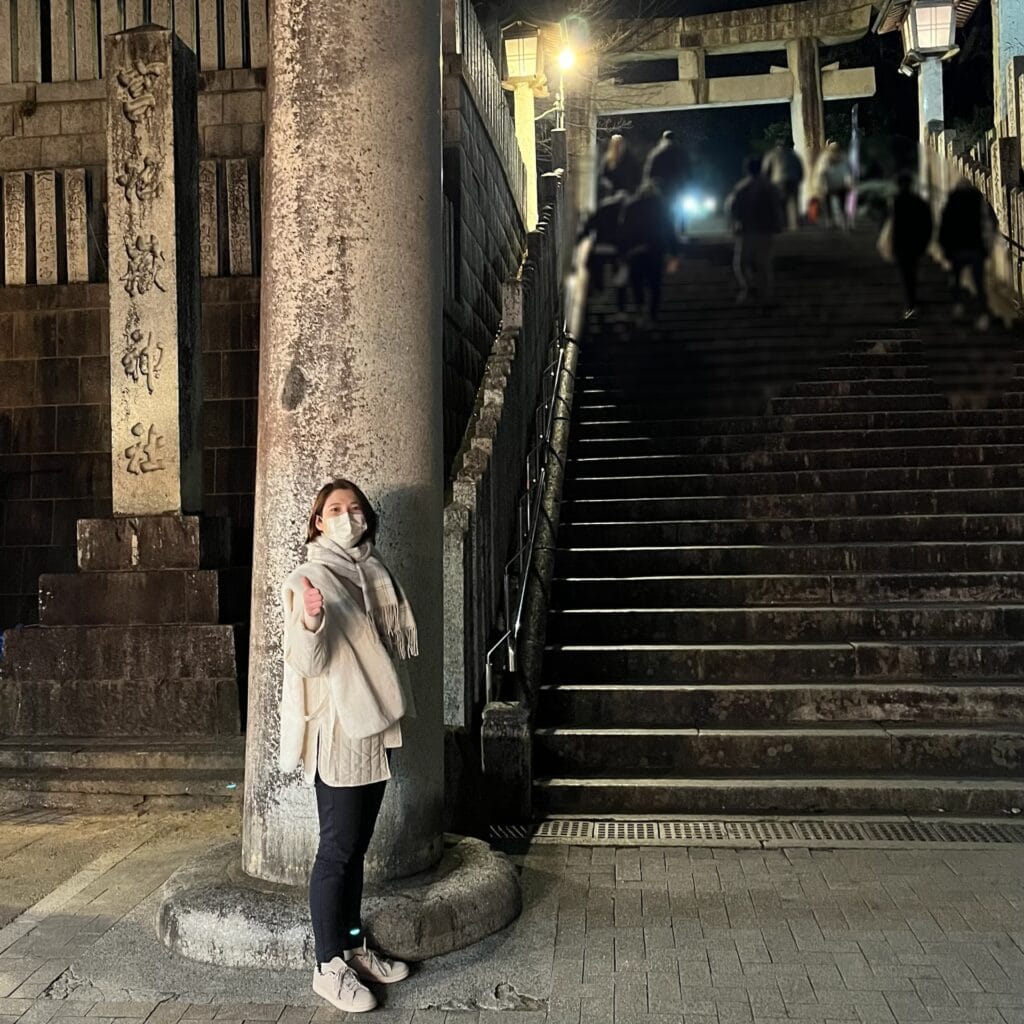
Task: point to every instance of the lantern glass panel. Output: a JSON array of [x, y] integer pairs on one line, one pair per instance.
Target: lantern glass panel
[[933, 26], [521, 55]]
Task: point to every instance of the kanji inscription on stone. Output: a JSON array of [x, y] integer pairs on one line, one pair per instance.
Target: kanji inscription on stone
[[137, 81], [140, 178], [145, 262], [142, 359], [145, 455], [153, 242]]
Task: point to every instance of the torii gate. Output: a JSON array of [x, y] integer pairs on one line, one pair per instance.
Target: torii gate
[[796, 28]]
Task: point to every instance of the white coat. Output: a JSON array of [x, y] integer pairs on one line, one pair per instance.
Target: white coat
[[343, 698]]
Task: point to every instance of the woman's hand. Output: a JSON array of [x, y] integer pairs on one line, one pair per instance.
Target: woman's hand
[[312, 604]]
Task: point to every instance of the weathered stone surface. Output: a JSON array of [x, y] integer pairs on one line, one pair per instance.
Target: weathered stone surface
[[211, 911], [76, 230], [153, 542], [45, 196], [154, 271], [130, 653], [239, 218], [156, 706], [15, 255], [115, 598], [209, 223], [352, 322]]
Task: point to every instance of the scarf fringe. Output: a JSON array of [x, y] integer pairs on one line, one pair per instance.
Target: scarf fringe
[[400, 635]]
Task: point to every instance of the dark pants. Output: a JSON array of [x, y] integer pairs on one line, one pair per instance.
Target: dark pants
[[645, 273], [347, 817], [975, 263], [909, 265]]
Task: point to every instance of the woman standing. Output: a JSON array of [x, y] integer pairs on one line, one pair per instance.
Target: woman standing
[[346, 621]]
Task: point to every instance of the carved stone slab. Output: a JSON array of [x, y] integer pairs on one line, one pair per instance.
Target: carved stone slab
[[45, 186], [61, 28], [209, 227], [6, 60], [258, 33], [185, 21], [239, 218], [233, 33], [76, 230], [86, 50], [28, 41], [208, 56], [153, 251], [14, 227]]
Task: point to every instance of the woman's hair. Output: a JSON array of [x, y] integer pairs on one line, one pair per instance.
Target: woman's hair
[[321, 499]]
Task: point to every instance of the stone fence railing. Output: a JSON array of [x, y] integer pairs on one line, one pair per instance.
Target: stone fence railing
[[488, 484], [69, 46], [55, 228], [466, 53]]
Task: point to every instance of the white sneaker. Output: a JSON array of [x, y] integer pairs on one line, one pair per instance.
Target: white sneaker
[[371, 966], [340, 986]]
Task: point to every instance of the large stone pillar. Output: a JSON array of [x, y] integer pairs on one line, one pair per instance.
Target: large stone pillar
[[350, 377], [524, 93], [155, 393], [807, 108]]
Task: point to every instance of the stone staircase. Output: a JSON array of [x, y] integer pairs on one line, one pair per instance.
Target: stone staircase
[[791, 555]]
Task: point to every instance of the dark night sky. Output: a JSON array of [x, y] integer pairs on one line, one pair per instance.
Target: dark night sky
[[720, 139]]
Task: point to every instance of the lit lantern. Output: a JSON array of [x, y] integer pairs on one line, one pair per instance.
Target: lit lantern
[[929, 29], [522, 51]]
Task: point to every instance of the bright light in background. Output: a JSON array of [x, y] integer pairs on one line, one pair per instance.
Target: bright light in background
[[694, 204], [566, 59]]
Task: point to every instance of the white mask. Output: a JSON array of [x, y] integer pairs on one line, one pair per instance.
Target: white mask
[[346, 530]]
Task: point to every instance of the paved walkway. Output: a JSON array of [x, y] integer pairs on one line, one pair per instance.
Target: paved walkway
[[625, 936]]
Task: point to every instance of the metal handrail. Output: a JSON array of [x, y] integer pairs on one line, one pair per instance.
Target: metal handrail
[[535, 480]]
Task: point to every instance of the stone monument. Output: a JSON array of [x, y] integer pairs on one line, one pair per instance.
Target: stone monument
[[131, 645], [350, 385]]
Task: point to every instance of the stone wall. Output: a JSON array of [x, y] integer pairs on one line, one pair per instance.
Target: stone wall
[[485, 188], [55, 424]]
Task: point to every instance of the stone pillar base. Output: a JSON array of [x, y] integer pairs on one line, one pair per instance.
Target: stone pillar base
[[212, 911]]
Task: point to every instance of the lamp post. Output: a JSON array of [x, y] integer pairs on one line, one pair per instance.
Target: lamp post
[[929, 38], [525, 80]]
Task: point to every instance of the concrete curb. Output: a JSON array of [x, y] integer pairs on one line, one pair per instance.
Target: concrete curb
[[212, 912]]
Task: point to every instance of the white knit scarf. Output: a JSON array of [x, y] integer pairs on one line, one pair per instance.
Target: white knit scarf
[[385, 603]]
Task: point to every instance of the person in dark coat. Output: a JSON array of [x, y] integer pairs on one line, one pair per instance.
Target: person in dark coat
[[966, 235], [756, 212], [620, 169], [911, 234], [604, 224], [646, 238], [667, 167]]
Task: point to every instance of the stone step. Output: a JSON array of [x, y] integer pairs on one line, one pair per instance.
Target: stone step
[[641, 705], [759, 559], [128, 597], [605, 426], [118, 790], [795, 461], [781, 589], [863, 661], [827, 442], [814, 530], [641, 508], [805, 794], [835, 748], [797, 624], [759, 400], [196, 753], [118, 652], [833, 481]]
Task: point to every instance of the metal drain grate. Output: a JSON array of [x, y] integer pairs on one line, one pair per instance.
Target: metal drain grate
[[768, 833]]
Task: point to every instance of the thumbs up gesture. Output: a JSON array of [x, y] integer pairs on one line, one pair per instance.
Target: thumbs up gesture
[[312, 602]]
